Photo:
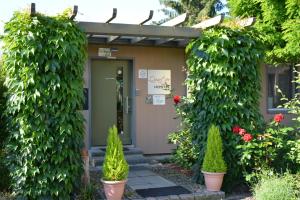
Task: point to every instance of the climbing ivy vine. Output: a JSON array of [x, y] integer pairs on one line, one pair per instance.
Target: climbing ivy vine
[[43, 61], [224, 89]]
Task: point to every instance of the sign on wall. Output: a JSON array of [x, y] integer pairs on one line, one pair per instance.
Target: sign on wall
[[159, 81], [159, 99]]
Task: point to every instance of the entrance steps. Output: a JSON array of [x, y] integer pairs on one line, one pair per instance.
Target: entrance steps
[[133, 155]]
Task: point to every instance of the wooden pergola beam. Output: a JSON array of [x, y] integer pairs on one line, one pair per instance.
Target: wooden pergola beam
[[247, 22], [176, 21], [138, 30], [74, 12], [32, 9], [210, 22], [114, 15]]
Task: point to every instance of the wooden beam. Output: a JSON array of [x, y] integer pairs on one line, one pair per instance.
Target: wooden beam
[[210, 22], [247, 22], [74, 12], [162, 41], [138, 30], [176, 21], [149, 17], [114, 15], [32, 9], [112, 38], [137, 39]]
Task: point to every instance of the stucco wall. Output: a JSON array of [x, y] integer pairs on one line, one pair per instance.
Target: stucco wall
[[263, 101], [153, 123]]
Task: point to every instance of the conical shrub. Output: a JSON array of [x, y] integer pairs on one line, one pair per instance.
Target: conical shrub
[[213, 159], [115, 167]]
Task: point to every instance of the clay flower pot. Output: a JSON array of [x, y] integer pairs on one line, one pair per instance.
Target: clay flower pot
[[213, 181], [114, 189]]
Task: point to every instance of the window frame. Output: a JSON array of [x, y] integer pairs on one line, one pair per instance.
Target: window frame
[[293, 88]]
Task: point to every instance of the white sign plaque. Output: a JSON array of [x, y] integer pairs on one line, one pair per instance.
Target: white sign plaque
[[143, 73], [159, 99], [104, 52], [159, 81]]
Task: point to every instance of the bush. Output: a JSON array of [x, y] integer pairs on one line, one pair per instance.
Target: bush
[[4, 173], [276, 187], [186, 153], [218, 64], [115, 167], [275, 148], [213, 159], [43, 61]]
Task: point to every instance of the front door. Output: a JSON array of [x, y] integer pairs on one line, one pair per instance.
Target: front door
[[110, 99]]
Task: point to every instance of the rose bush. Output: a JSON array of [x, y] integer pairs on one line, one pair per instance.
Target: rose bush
[[274, 149]]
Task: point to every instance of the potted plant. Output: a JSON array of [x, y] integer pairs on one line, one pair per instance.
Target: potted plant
[[115, 168], [214, 166]]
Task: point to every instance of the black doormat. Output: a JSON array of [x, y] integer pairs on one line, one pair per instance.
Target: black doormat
[[163, 191]]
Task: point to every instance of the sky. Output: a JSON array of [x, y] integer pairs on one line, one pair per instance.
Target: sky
[[129, 11]]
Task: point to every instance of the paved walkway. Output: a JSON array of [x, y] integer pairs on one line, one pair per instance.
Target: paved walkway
[[145, 179]]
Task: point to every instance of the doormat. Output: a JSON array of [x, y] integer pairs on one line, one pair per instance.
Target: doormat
[[163, 191]]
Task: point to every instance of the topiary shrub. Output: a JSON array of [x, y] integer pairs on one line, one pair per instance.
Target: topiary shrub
[[43, 61], [224, 88], [213, 160], [115, 167]]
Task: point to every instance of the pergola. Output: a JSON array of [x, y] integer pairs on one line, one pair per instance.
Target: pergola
[[170, 33]]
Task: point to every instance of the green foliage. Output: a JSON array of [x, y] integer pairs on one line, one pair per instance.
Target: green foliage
[[274, 149], [197, 10], [186, 153], [4, 173], [273, 186], [213, 159], [44, 63], [115, 167], [224, 88], [87, 192], [278, 22]]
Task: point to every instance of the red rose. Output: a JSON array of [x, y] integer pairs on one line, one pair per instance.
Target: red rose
[[247, 137], [278, 118], [236, 129], [176, 99], [242, 132]]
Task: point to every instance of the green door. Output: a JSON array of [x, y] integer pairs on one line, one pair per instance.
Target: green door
[[110, 99]]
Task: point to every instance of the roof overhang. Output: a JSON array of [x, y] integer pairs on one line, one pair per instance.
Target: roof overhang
[[135, 34]]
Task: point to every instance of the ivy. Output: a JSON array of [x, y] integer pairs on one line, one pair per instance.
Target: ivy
[[224, 89], [43, 63]]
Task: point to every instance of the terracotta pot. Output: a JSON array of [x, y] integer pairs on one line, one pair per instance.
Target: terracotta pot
[[213, 181], [114, 189]]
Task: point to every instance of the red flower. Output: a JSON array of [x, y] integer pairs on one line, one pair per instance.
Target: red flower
[[236, 129], [247, 137], [242, 132], [176, 99], [278, 118]]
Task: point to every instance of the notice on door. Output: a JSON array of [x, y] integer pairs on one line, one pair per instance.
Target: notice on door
[[159, 81], [159, 99]]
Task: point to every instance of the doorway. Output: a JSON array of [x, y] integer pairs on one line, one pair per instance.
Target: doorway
[[111, 99]]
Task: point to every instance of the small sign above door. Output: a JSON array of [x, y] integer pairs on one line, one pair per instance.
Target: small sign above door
[[104, 52]]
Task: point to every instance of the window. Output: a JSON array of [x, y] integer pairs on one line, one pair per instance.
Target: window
[[280, 77]]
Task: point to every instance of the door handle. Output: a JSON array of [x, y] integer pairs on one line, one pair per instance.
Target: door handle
[[127, 105]]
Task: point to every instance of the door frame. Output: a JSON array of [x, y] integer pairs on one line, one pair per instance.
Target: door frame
[[132, 96]]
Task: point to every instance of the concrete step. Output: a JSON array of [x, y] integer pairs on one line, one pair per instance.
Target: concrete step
[[131, 159], [98, 152], [133, 156]]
